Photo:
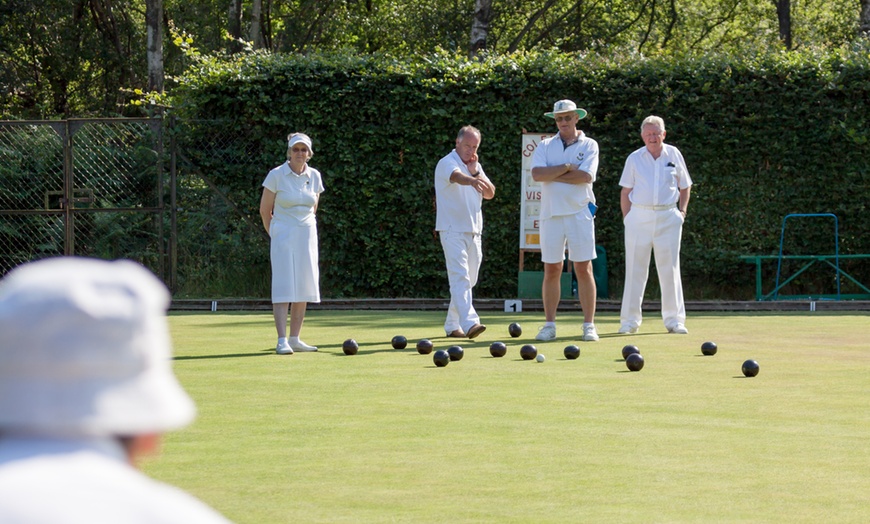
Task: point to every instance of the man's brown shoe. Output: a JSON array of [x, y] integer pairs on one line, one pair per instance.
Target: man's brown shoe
[[457, 334], [475, 330]]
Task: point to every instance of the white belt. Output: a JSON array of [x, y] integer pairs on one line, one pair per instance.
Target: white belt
[[655, 208]]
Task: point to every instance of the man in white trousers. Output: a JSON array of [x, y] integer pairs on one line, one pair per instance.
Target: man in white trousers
[[460, 187], [566, 165], [655, 198]]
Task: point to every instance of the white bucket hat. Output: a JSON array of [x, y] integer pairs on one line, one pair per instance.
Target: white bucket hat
[[566, 106], [85, 351]]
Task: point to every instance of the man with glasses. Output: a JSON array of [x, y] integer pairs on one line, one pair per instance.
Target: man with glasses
[[566, 165], [460, 188], [655, 196]]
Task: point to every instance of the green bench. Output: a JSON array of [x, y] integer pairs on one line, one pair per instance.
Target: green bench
[[831, 260]]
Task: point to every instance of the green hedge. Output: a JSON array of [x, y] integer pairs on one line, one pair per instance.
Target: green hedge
[[763, 136]]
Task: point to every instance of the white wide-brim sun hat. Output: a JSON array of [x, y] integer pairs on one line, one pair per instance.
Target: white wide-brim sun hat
[[566, 106], [85, 351]]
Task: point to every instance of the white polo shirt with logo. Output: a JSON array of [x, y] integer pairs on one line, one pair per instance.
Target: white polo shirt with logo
[[557, 198]]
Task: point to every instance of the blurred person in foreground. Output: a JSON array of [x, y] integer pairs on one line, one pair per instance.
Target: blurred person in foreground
[[86, 391], [655, 198], [460, 188], [288, 206]]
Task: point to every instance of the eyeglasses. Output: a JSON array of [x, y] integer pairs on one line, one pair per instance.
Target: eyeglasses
[[299, 150], [566, 118]]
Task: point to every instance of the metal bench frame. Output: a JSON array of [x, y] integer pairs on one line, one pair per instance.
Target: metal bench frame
[[811, 260]]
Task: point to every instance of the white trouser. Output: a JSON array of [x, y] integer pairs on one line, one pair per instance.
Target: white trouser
[[659, 231], [463, 254]]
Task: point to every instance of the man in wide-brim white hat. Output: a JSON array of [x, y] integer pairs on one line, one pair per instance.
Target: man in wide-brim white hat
[[566, 165], [86, 389]]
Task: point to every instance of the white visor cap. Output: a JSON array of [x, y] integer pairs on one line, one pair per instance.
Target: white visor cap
[[300, 137]]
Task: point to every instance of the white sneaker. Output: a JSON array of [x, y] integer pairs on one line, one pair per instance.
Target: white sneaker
[[590, 334], [625, 329], [679, 329], [300, 346], [546, 333], [284, 348]]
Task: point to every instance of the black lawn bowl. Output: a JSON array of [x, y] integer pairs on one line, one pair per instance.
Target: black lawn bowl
[[498, 349], [515, 330], [441, 358], [350, 347], [709, 348], [400, 342], [750, 368], [629, 350], [425, 346], [528, 352], [455, 353], [572, 352], [634, 362]]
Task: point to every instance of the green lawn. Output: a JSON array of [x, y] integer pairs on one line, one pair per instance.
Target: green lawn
[[385, 436]]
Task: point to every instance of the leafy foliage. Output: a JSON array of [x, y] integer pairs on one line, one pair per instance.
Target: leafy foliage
[[61, 58], [68, 58], [764, 135]]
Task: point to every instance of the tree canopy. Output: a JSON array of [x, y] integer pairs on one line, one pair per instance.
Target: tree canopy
[[62, 58]]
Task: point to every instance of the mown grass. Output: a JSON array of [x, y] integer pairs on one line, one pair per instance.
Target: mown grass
[[384, 436]]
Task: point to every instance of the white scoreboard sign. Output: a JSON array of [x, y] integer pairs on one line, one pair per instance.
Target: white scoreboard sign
[[530, 204]]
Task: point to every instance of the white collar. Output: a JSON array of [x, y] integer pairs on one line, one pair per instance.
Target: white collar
[[577, 138], [23, 445], [305, 172]]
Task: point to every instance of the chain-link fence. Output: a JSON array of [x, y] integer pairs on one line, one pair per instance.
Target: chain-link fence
[[222, 249], [151, 190], [31, 178], [82, 187]]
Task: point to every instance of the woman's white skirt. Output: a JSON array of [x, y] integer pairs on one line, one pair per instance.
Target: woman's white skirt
[[294, 254]]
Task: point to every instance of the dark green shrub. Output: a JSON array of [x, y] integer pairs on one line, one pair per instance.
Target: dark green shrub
[[763, 136]]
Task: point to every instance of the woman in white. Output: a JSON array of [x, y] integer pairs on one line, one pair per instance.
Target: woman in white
[[291, 192]]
